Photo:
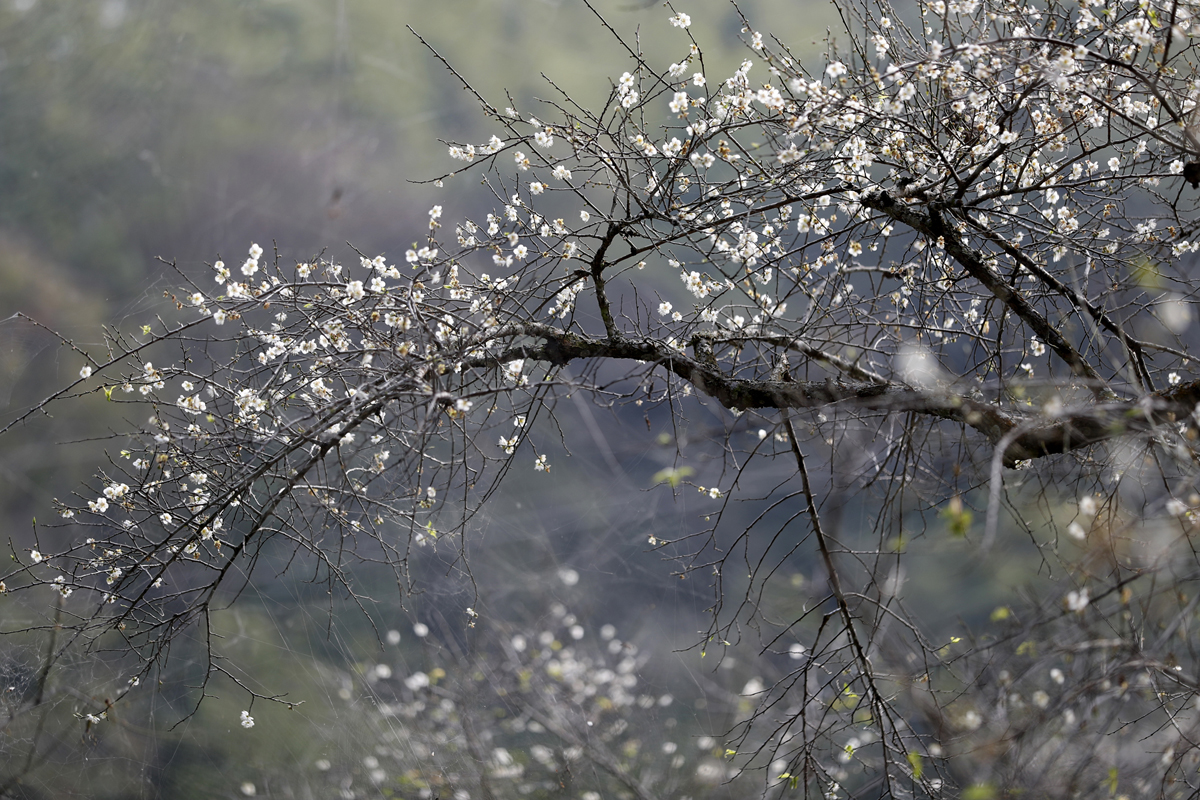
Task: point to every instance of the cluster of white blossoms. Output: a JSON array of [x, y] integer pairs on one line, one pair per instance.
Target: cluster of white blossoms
[[562, 681], [468, 152], [625, 91]]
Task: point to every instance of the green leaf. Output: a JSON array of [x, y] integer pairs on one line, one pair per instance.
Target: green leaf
[[918, 768], [1111, 783], [1146, 273], [672, 476], [958, 519]]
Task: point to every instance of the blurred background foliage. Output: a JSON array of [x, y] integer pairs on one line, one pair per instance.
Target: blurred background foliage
[[137, 129]]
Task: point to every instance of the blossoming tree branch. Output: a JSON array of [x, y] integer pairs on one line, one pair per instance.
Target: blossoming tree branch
[[972, 222]]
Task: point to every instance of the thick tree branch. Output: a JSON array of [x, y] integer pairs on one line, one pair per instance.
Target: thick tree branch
[[1026, 435], [934, 226], [1076, 299]]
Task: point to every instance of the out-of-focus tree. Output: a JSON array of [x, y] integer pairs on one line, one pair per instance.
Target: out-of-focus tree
[[553, 709], [948, 264]]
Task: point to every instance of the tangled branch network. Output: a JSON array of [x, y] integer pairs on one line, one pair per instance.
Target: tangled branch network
[[962, 240]]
